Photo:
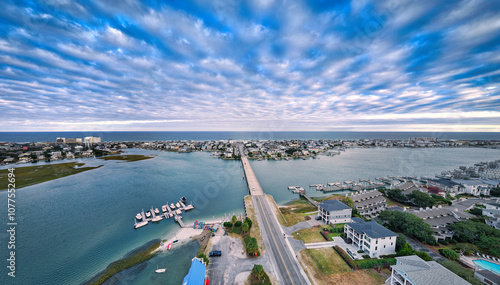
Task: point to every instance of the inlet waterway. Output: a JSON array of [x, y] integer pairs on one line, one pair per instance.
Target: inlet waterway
[[71, 228]]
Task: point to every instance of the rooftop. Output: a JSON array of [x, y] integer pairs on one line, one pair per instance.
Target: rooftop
[[372, 229], [333, 205], [196, 274], [426, 272]]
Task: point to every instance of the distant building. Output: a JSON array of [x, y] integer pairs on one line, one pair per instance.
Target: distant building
[[60, 140], [412, 270], [334, 212], [407, 187], [91, 140], [373, 238], [369, 203], [452, 188], [196, 274], [493, 212], [474, 187], [74, 141]]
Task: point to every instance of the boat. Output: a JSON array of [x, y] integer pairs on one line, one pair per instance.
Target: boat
[[164, 208], [178, 205], [160, 270], [183, 200], [172, 206], [178, 212], [157, 219], [148, 214], [189, 207], [138, 216], [169, 246], [156, 211]]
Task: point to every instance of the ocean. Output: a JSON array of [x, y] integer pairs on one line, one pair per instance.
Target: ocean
[[263, 135], [71, 228]]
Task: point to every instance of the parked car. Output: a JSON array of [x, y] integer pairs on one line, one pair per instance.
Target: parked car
[[318, 218], [215, 253]]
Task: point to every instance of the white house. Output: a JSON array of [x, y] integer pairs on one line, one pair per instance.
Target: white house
[[474, 187], [493, 212], [373, 238], [412, 270], [334, 212]]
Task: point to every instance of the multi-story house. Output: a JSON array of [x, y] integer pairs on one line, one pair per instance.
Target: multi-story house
[[334, 211], [371, 237], [369, 203]]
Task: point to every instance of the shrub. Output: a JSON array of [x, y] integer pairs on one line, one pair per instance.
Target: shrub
[[248, 221], [363, 264], [444, 242], [366, 256], [237, 224], [448, 253], [345, 257], [361, 251], [228, 225], [424, 255], [204, 256]]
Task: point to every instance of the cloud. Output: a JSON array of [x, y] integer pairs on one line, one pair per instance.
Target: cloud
[[358, 65]]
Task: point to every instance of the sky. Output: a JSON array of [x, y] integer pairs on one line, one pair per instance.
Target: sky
[[261, 65]]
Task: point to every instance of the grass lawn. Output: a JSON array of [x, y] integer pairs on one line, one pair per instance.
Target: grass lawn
[[31, 175], [391, 202], [309, 235], [255, 229], [127, 158]]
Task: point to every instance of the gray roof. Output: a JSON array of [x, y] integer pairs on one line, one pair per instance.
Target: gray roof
[[445, 182], [357, 220], [471, 182], [372, 229], [489, 275], [427, 272], [333, 205]]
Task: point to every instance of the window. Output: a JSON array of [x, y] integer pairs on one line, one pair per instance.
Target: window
[[384, 245], [391, 243], [375, 248]]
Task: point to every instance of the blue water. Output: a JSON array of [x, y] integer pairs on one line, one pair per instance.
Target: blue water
[[263, 135], [488, 265], [71, 228]]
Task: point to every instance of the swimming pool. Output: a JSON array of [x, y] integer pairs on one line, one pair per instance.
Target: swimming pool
[[484, 264]]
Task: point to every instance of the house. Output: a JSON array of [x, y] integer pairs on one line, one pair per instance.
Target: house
[[406, 187], [373, 238], [415, 271], [435, 190], [334, 212], [493, 212], [196, 274], [369, 203], [452, 188], [474, 187]]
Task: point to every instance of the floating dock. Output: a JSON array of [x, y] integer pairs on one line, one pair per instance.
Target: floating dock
[[168, 211]]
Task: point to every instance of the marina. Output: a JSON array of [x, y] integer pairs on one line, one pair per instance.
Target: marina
[[153, 215]]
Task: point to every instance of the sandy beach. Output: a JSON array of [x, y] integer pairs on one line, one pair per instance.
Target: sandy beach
[[183, 235]]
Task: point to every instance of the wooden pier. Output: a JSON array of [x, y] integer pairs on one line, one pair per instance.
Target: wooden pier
[[166, 213]]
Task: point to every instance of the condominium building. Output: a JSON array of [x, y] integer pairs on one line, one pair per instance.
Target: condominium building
[[334, 211], [369, 203], [371, 237]]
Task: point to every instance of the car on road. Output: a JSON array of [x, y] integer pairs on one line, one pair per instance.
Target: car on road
[[317, 218], [215, 253]]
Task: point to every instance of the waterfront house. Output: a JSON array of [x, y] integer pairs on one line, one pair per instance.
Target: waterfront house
[[334, 212], [474, 187], [371, 237], [415, 271], [435, 191], [440, 219], [369, 203]]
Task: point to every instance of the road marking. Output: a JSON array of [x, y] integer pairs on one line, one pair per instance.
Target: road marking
[[272, 235]]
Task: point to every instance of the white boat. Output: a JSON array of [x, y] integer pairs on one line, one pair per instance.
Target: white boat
[[189, 207], [160, 270], [178, 205], [157, 219], [178, 212], [164, 208], [148, 214], [140, 224], [172, 206], [138, 216], [156, 211]]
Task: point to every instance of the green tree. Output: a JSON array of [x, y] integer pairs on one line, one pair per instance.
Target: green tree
[[406, 250], [400, 241], [421, 199], [249, 222], [396, 195], [448, 253], [495, 192], [258, 271], [424, 255], [476, 211], [245, 227], [409, 224], [234, 219], [252, 246]]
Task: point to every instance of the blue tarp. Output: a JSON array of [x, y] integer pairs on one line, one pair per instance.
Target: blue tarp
[[196, 274]]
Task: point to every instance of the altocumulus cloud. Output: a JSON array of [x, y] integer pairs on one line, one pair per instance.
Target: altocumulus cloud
[[250, 65]]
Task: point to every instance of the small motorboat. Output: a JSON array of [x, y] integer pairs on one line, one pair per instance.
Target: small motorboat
[[156, 211], [172, 206], [138, 216], [183, 200], [169, 246], [160, 270], [148, 215]]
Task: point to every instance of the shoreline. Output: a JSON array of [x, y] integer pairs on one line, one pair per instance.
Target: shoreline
[[183, 236]]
